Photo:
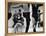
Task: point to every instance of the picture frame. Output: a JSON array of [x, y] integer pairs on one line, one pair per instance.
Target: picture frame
[[6, 18]]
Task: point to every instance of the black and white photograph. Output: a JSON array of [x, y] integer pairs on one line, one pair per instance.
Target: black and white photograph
[[25, 17]]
